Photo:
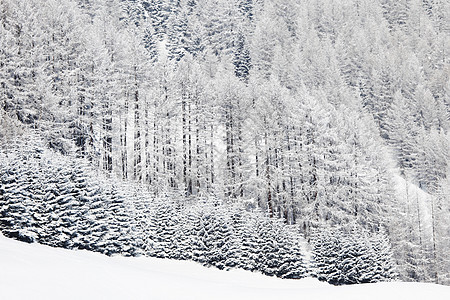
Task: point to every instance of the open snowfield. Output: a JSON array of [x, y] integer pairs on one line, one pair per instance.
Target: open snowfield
[[33, 271]]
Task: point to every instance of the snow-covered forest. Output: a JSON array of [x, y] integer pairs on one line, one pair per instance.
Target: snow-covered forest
[[290, 137]]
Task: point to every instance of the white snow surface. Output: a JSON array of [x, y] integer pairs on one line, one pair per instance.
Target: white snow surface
[[33, 271]]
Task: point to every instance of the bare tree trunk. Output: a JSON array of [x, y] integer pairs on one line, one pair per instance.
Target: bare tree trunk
[[190, 184], [137, 172], [229, 148], [155, 150], [184, 128], [433, 227], [107, 139], [123, 142], [147, 144], [268, 178], [211, 149], [197, 148]]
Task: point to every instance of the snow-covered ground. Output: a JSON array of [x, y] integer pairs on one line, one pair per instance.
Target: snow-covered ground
[[33, 271]]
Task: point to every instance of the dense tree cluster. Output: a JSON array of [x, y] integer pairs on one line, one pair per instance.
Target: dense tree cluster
[[299, 108], [57, 201], [62, 202], [352, 256]]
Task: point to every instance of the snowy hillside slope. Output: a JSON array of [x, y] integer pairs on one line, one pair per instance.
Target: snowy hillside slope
[[420, 202], [33, 271]]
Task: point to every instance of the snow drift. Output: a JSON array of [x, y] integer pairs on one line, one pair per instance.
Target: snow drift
[[33, 271]]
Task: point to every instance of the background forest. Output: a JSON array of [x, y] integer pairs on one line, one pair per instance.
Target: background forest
[[329, 116]]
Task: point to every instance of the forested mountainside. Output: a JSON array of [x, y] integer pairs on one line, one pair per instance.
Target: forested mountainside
[[306, 110], [64, 202]]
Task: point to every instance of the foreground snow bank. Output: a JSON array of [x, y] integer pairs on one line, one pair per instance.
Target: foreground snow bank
[[33, 271]]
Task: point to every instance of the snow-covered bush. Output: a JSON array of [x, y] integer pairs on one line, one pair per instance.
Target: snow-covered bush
[[58, 201], [355, 256], [224, 236]]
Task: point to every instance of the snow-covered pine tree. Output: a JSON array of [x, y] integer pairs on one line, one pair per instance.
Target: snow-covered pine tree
[[351, 256]]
